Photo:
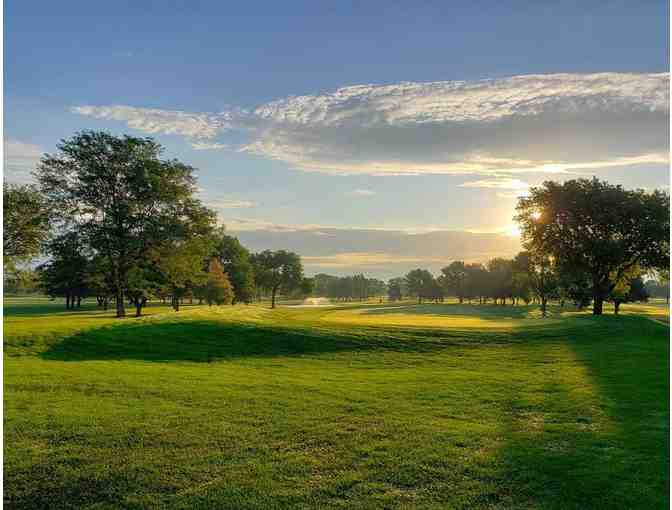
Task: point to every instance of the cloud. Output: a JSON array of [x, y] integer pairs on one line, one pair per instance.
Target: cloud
[[229, 203], [361, 193], [20, 159], [156, 121], [497, 183], [208, 146], [551, 123], [378, 252]]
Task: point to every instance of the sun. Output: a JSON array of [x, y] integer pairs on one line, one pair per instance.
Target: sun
[[536, 215], [513, 231]]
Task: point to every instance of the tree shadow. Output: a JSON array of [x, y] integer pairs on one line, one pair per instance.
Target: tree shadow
[[210, 340], [568, 451]]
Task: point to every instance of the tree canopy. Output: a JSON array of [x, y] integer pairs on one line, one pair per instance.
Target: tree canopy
[[123, 198], [596, 228]]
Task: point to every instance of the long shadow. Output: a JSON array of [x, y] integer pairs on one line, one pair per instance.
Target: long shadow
[[615, 455], [208, 341]]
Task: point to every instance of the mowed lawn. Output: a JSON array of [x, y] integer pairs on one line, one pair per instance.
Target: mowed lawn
[[361, 406]]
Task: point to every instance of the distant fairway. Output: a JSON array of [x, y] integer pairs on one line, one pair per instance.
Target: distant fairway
[[352, 406]]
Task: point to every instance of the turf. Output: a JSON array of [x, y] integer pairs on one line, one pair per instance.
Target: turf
[[366, 406]]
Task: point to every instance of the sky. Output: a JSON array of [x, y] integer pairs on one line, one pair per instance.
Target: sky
[[366, 136]]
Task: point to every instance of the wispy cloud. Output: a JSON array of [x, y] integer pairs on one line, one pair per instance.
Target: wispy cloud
[[534, 123], [361, 193], [497, 183], [20, 159], [229, 203]]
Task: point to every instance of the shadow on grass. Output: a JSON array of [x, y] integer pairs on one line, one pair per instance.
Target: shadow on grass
[[208, 341], [565, 453]]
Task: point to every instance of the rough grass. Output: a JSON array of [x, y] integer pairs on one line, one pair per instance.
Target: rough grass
[[367, 406]]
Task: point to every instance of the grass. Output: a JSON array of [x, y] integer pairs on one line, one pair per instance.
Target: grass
[[357, 406]]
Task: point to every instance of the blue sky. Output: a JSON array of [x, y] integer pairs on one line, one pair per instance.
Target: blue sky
[[255, 95]]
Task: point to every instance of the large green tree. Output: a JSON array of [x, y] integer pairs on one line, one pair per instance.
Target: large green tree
[[277, 271], [596, 228], [125, 199], [25, 224]]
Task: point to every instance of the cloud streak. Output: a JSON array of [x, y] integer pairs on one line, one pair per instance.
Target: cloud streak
[[534, 123]]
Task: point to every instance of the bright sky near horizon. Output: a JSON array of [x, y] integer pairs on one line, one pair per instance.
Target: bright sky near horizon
[[367, 136]]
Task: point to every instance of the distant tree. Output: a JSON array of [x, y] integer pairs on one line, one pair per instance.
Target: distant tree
[[21, 281], [454, 279], [277, 271], [476, 285], [520, 277], [659, 285], [26, 222], [395, 289], [420, 283], [181, 266], [306, 287], [218, 288], [543, 278], [500, 273], [235, 261], [122, 198], [66, 272], [628, 289], [596, 228]]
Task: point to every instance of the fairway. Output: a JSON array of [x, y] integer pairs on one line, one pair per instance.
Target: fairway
[[352, 406]]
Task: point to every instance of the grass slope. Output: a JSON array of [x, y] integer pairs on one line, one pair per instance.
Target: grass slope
[[371, 406]]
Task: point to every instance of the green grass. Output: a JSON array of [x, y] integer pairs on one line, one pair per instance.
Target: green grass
[[358, 406]]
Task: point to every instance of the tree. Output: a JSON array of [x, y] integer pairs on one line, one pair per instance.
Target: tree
[[26, 222], [628, 289], [277, 271], [306, 287], [235, 261], [520, 278], [420, 283], [500, 272], [596, 228], [66, 273], [543, 279], [476, 281], [454, 279], [181, 265], [395, 289], [123, 199], [218, 288]]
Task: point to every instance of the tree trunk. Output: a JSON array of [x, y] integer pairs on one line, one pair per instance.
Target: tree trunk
[[67, 301], [598, 301], [105, 302], [176, 303], [138, 307], [273, 297], [543, 306], [617, 305], [121, 307], [79, 301]]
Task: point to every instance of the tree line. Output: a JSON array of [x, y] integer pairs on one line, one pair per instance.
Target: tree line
[[347, 288], [119, 223]]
